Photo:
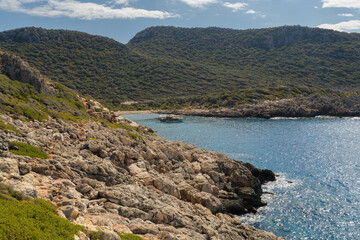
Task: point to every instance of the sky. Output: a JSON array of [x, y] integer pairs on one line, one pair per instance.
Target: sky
[[122, 19]]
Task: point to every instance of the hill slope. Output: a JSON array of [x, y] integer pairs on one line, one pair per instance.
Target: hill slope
[[25, 93], [162, 62]]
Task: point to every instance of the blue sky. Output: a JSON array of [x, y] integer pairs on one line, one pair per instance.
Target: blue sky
[[122, 19]]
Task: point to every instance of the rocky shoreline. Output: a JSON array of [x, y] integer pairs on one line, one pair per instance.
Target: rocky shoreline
[[130, 180], [111, 175], [311, 106]]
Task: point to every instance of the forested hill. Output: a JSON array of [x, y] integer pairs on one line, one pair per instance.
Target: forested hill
[[162, 62], [289, 55], [221, 38]]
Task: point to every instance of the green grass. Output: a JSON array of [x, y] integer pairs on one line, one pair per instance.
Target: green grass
[[129, 236], [31, 219], [25, 149]]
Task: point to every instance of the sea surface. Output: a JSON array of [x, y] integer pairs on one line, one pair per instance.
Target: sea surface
[[317, 195]]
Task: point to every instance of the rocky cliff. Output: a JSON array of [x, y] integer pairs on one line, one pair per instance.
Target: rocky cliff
[[16, 69], [126, 179]]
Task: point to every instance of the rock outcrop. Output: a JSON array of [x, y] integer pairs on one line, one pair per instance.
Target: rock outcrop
[[130, 180], [16, 69]]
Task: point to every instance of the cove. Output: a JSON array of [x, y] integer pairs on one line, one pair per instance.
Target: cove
[[317, 195]]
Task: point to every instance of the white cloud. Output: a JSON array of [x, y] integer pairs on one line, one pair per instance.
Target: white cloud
[[199, 3], [341, 3], [122, 2], [345, 15], [251, 12], [255, 14], [342, 26], [80, 10], [235, 6]]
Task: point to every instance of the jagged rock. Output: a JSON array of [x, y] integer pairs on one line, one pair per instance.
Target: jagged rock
[[264, 175], [24, 168], [27, 189], [70, 212], [84, 188], [121, 228], [9, 166]]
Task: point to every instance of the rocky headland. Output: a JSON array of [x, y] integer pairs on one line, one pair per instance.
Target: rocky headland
[[310, 106], [129, 180]]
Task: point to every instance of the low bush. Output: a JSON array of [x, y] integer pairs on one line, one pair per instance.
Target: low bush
[[32, 219], [25, 149]]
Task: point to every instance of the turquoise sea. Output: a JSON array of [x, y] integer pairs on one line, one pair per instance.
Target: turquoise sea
[[317, 195]]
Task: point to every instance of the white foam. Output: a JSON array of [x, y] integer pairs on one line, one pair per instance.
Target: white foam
[[353, 118], [251, 218], [285, 118], [280, 183], [326, 116]]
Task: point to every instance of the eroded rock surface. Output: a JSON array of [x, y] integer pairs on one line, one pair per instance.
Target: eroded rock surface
[[138, 183]]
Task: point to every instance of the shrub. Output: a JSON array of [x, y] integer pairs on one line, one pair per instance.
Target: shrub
[[25, 149], [33, 219]]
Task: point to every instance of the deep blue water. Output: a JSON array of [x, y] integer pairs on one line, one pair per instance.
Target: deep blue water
[[320, 156]]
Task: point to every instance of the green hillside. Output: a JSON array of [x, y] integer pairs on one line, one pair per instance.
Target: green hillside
[[163, 62], [23, 101]]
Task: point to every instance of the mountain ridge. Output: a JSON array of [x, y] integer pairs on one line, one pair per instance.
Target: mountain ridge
[[174, 62]]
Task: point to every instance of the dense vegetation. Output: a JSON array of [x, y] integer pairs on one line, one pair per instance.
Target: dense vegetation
[[284, 55], [24, 101], [101, 67], [24, 218], [165, 62], [230, 99]]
